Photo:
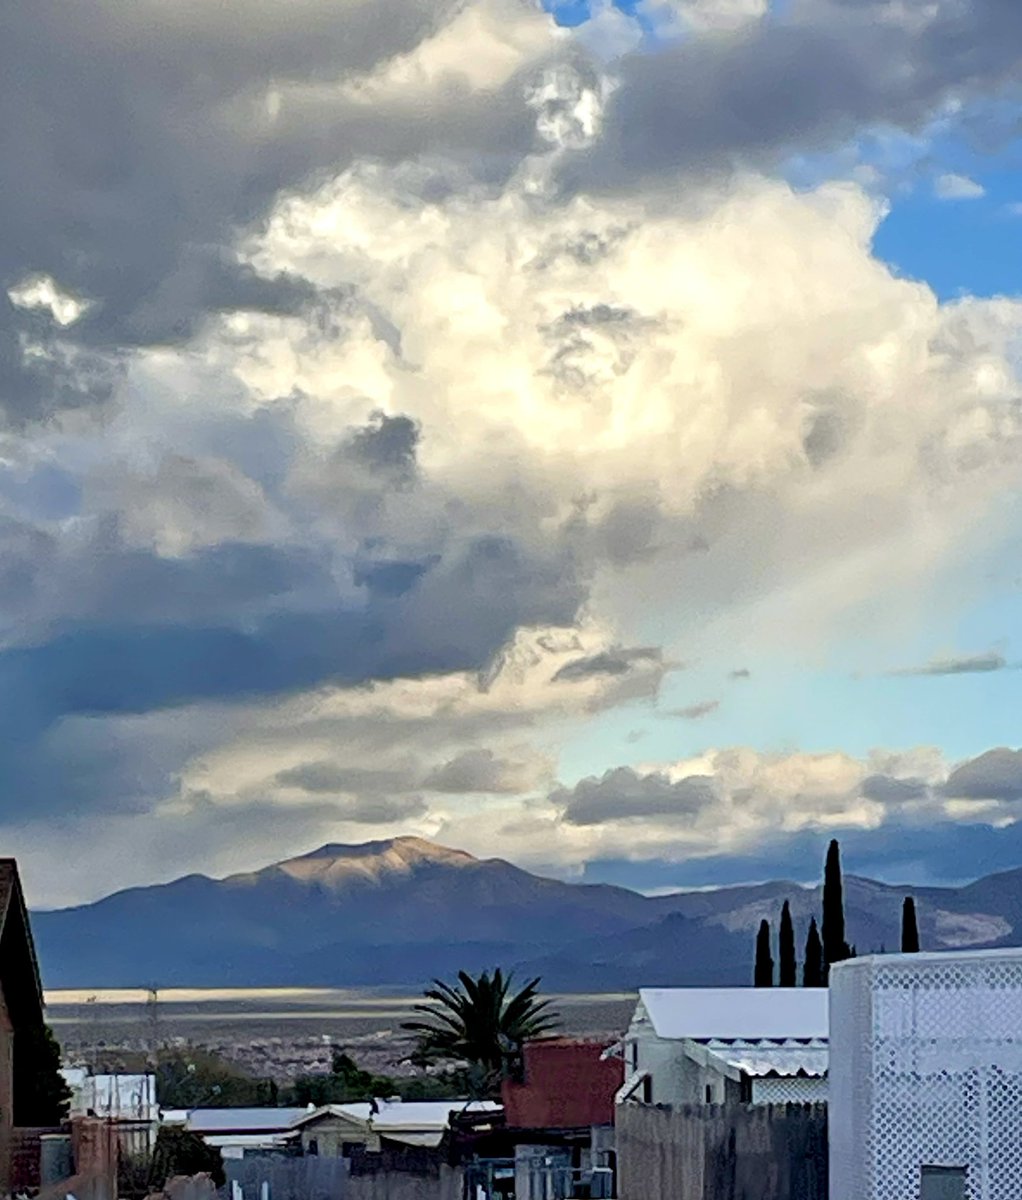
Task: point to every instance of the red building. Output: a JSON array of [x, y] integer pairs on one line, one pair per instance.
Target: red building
[[565, 1084]]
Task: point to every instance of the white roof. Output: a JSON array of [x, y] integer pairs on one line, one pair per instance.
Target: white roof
[[751, 1013], [240, 1120], [248, 1141], [430, 1139], [412, 1116]]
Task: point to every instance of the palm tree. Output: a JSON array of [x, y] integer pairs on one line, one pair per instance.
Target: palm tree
[[481, 1022]]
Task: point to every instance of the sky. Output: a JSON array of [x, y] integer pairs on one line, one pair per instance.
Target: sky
[[584, 434]]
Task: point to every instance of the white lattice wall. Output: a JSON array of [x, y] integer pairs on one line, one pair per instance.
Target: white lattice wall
[[926, 1069], [791, 1089]]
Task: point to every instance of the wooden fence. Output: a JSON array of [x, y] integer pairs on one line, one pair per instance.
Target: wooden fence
[[753, 1152]]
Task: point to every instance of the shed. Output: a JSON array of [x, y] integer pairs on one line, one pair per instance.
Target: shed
[[718, 1045], [341, 1129]]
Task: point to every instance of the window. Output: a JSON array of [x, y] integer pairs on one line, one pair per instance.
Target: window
[[313, 1146], [709, 1094], [943, 1183]]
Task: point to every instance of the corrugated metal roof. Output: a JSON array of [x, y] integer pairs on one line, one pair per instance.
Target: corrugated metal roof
[[790, 1058], [242, 1120], [248, 1141], [395, 1115], [754, 1013], [426, 1114]]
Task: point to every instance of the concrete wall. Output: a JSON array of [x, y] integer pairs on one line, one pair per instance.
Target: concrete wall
[[722, 1153]]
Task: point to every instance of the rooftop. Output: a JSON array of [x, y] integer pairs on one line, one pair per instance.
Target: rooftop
[[750, 1013], [398, 1115], [237, 1120]]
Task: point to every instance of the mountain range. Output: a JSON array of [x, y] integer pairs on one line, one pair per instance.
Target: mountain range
[[402, 911]]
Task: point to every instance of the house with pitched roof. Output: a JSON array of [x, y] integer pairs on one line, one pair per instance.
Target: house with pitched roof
[[692, 1046], [343, 1129]]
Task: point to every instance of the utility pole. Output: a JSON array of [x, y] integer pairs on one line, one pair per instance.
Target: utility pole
[[152, 1011], [92, 1037], [153, 1040]]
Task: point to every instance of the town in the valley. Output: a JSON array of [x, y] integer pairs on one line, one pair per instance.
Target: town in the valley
[[834, 1075]]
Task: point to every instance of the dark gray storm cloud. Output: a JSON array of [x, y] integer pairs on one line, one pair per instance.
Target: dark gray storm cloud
[[234, 624], [328, 777], [995, 775], [888, 790], [387, 445], [801, 83], [693, 712], [138, 138], [623, 793], [618, 661], [970, 664], [474, 771]]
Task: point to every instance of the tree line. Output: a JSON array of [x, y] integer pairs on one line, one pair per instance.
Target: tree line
[[821, 952]]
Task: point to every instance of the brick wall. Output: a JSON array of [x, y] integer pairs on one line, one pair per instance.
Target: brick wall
[[565, 1085]]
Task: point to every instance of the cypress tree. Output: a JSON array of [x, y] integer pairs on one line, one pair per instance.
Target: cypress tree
[[812, 968], [835, 948], [909, 927], [764, 974], [786, 939]]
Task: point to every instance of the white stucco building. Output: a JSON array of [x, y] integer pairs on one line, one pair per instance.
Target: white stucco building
[[926, 1077], [724, 1045]]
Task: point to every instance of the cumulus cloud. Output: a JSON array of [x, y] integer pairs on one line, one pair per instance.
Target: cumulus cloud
[[378, 377], [957, 187], [740, 815]]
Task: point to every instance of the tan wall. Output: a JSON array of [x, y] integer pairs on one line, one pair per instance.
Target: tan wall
[[330, 1134]]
